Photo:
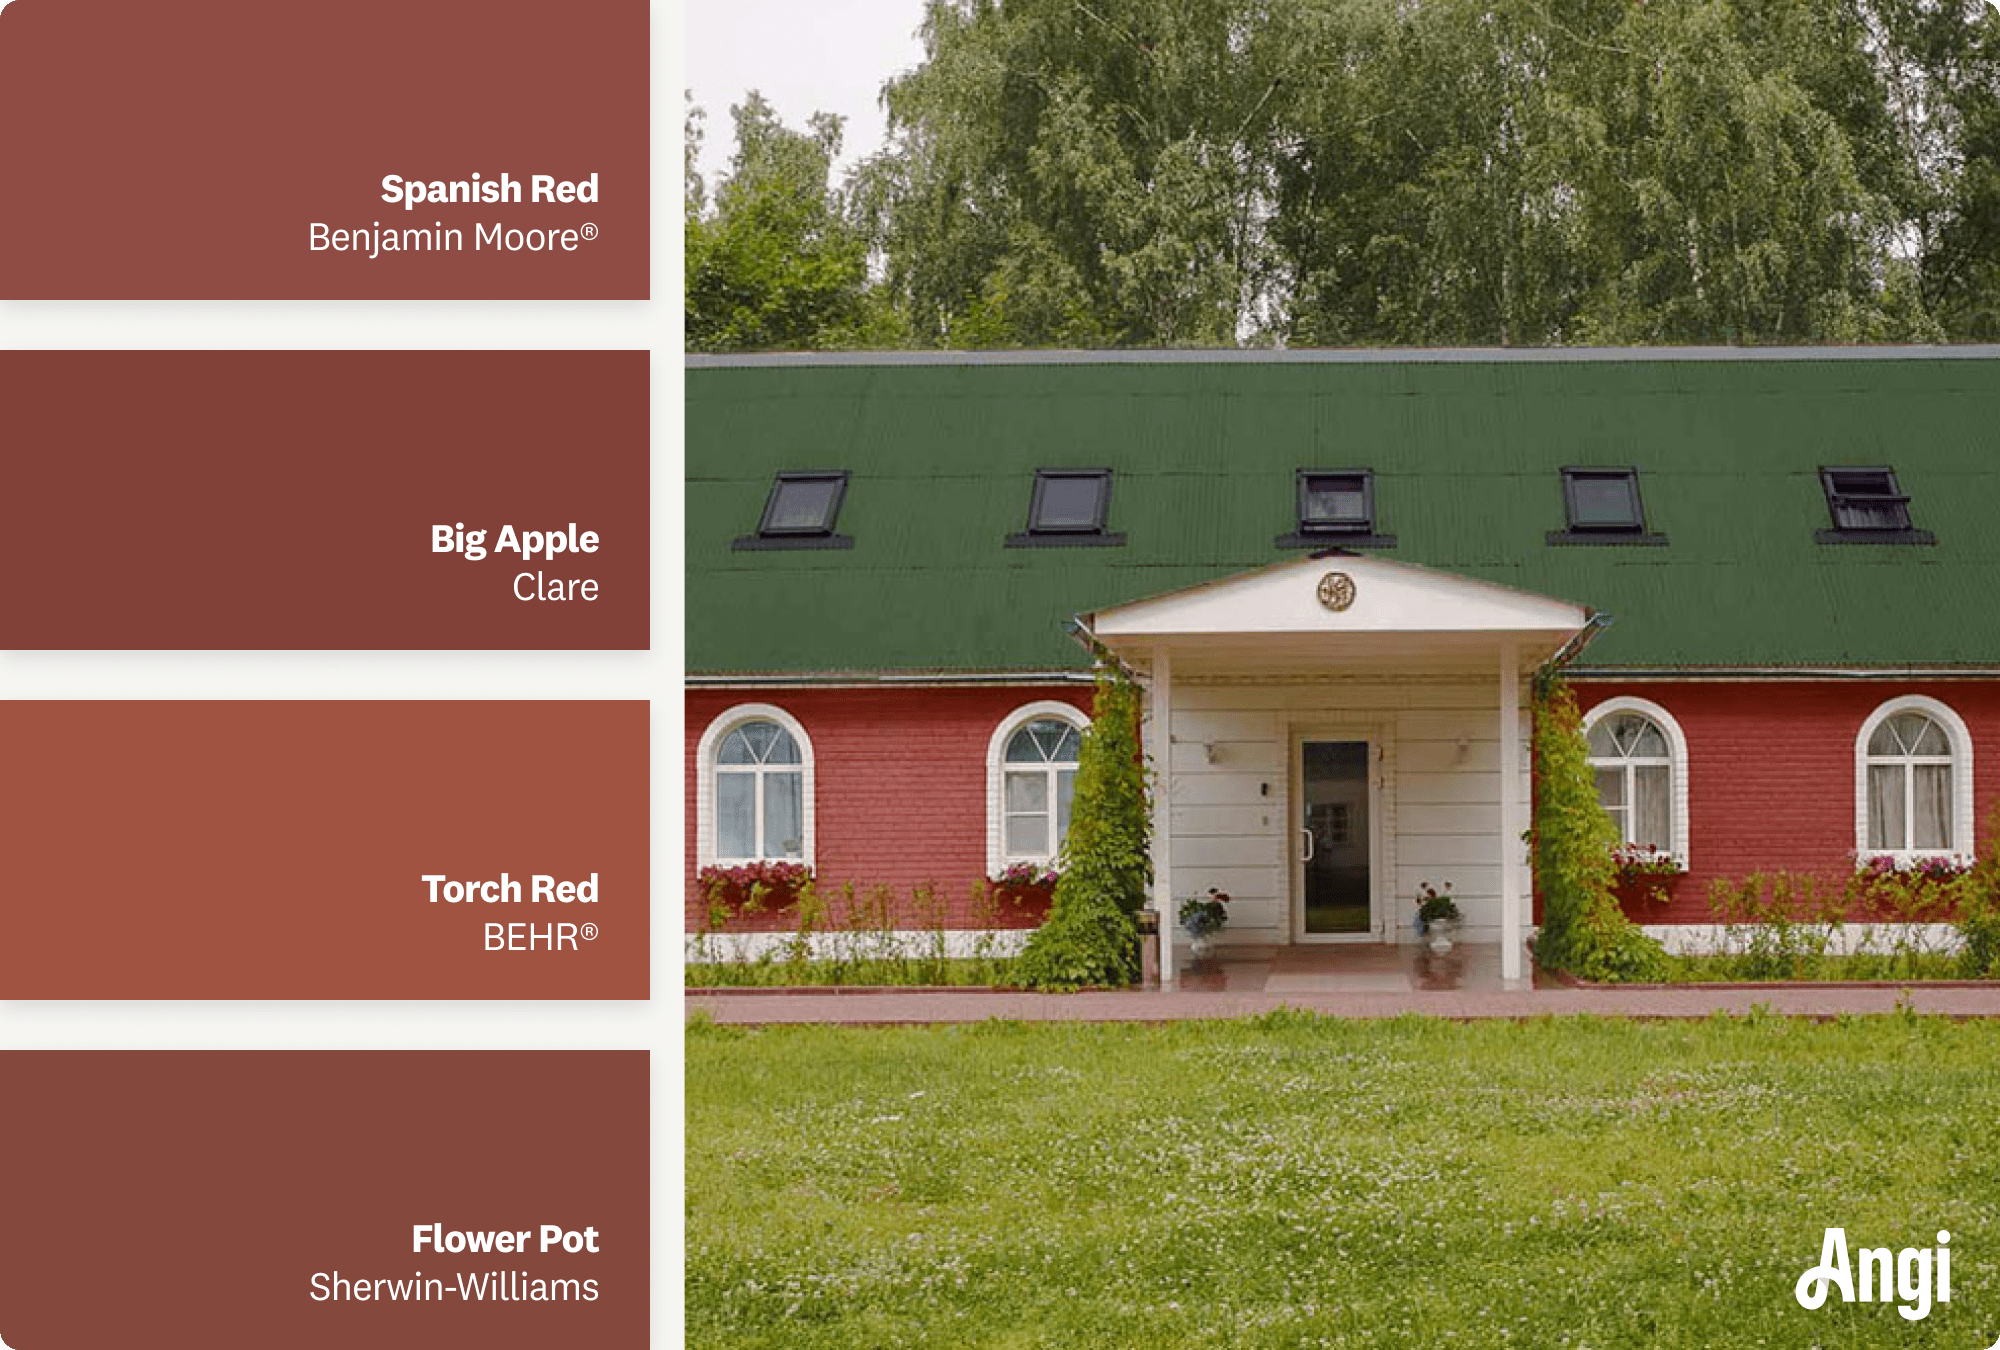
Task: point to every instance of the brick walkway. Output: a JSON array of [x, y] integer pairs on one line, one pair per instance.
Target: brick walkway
[[1144, 1006]]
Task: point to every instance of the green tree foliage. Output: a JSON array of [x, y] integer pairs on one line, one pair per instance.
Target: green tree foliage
[[1574, 171], [1196, 172], [1943, 64], [1087, 172], [1583, 931], [1089, 938], [694, 192], [772, 262]]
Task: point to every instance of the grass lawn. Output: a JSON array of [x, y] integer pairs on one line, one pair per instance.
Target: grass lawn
[[1292, 1181]]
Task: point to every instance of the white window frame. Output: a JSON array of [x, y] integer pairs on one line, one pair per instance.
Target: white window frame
[[1677, 762], [996, 770], [1962, 813], [711, 740]]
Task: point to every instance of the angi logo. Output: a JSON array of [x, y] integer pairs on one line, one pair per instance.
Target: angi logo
[[1912, 1267]]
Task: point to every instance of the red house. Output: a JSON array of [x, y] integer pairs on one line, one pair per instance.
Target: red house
[[1768, 575]]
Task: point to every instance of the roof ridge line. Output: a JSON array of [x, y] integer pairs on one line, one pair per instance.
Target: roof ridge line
[[1340, 356]]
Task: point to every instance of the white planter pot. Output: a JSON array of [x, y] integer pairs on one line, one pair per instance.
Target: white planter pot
[[1441, 934]]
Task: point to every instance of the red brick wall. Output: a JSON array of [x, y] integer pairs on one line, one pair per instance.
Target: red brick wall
[[1771, 772], [901, 773], [901, 781]]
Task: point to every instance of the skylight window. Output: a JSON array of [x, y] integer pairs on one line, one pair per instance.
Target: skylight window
[[1335, 509], [1068, 503], [1602, 506], [803, 503], [1603, 499], [1336, 503], [801, 512], [1865, 501], [1069, 506]]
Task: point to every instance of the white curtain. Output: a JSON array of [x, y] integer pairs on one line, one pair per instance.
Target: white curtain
[[735, 815], [1652, 807], [1933, 813], [1611, 792], [1028, 814], [784, 815], [1886, 824]]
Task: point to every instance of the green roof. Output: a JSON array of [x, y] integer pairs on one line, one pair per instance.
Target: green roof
[[1466, 449]]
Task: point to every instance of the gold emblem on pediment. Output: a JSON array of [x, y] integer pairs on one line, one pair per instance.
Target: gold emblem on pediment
[[1336, 591]]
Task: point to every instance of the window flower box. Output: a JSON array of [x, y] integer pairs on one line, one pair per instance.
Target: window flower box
[[1908, 887], [1936, 866], [1646, 876], [1640, 861], [753, 895], [1022, 892]]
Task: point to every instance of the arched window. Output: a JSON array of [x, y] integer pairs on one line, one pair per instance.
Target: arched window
[[1031, 780], [1639, 756], [756, 788], [1913, 781]]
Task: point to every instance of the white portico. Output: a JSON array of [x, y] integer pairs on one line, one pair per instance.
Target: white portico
[[1331, 733]]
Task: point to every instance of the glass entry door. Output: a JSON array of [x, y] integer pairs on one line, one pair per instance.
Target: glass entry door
[[1335, 839]]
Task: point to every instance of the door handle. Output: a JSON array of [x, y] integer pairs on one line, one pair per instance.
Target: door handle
[[1306, 830]]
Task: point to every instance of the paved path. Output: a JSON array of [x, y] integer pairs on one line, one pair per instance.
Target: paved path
[[1144, 1006]]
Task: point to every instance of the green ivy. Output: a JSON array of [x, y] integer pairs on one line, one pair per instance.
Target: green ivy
[[1978, 920], [1089, 938], [1583, 931]]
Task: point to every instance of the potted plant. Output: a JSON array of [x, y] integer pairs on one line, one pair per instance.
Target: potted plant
[[1203, 917], [1437, 915]]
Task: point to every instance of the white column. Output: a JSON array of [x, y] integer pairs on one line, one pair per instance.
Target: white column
[[1510, 811], [1162, 753]]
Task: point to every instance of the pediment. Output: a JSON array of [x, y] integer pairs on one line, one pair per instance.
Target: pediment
[[1339, 594]]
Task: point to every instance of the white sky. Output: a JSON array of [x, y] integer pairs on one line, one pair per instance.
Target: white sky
[[804, 56]]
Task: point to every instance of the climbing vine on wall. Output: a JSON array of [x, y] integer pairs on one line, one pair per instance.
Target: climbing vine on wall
[[1978, 908], [1089, 938], [1583, 931]]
